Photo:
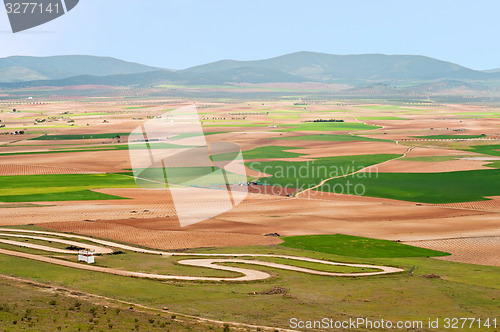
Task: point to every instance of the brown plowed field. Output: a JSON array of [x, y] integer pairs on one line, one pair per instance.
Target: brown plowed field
[[161, 239], [39, 170], [476, 250], [97, 161], [491, 205]]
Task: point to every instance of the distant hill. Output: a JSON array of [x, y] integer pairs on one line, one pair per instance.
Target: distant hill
[[26, 68], [356, 70], [322, 67], [496, 70]]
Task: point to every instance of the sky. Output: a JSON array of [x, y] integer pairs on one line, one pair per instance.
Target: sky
[[177, 34]]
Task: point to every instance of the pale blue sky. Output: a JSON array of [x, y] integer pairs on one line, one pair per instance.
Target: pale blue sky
[[182, 33]]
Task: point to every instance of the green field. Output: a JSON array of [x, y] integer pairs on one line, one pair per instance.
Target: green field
[[67, 115], [263, 152], [354, 246], [236, 125], [271, 151], [152, 145], [493, 150], [450, 136], [74, 137], [69, 195], [381, 118], [332, 138], [494, 164], [63, 187], [436, 188], [329, 126], [432, 159], [388, 108], [306, 174]]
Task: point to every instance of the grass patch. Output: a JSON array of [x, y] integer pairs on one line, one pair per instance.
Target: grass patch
[[237, 125], [13, 206], [26, 306], [494, 164], [78, 195], [306, 174], [332, 138], [387, 108], [76, 137], [61, 187], [492, 150], [433, 159], [329, 126], [450, 136], [265, 152], [435, 188], [314, 266], [353, 246], [381, 118]]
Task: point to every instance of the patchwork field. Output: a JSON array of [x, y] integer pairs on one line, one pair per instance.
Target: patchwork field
[[411, 187]]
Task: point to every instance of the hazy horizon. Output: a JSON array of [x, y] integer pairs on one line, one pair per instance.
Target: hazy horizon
[[180, 34], [199, 64]]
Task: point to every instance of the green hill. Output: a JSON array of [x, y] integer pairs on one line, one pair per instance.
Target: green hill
[[27, 68]]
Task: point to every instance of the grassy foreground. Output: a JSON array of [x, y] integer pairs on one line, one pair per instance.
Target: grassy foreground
[[58, 310], [461, 290]]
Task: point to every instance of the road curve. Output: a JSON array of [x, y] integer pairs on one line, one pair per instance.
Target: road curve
[[212, 263], [97, 249]]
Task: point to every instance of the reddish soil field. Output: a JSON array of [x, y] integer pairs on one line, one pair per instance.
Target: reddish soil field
[[475, 250], [161, 239], [38, 170], [492, 205], [96, 161]]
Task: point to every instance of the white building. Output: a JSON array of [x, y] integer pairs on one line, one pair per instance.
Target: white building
[[86, 256]]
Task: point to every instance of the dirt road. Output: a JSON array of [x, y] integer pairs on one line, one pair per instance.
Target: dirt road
[[212, 263]]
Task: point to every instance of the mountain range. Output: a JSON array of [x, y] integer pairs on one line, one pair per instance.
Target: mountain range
[[21, 71]]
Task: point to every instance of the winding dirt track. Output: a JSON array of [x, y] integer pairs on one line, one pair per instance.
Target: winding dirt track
[[212, 263]]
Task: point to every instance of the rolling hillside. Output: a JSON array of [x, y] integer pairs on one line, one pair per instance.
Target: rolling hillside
[[26, 68], [326, 67], [356, 70]]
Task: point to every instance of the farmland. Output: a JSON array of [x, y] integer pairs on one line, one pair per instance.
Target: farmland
[[436, 188], [426, 201], [330, 126], [332, 138], [194, 298], [356, 247], [60, 187]]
